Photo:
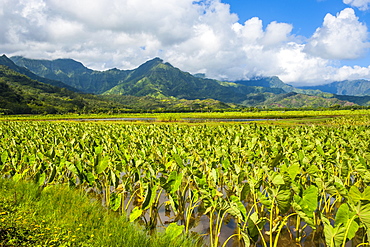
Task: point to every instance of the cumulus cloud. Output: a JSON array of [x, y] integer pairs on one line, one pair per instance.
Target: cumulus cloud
[[196, 36], [361, 4], [340, 37]]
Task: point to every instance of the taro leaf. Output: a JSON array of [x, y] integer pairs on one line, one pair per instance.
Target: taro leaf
[[115, 201], [226, 164], [16, 177], [283, 199], [277, 159], [178, 160], [306, 218], [343, 217], [277, 179], [98, 149], [366, 194], [174, 202], [150, 196], [213, 175], [136, 213], [263, 199], [52, 175], [309, 200], [71, 167], [293, 171], [246, 240], [363, 212], [255, 223], [296, 187], [334, 236], [40, 178], [313, 170], [354, 195], [90, 178], [173, 182], [173, 230], [237, 208], [4, 157], [101, 164], [320, 149], [338, 184], [245, 192]]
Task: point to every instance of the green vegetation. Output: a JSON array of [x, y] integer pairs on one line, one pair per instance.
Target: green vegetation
[[280, 185], [59, 216], [247, 113], [159, 86], [21, 95]]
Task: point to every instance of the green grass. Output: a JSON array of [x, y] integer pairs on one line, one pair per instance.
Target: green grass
[[59, 216]]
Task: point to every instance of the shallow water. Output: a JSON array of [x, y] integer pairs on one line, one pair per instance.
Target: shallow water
[[193, 120]]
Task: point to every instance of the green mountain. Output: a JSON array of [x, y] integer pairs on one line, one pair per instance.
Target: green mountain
[[19, 94], [73, 73], [4, 60], [158, 85], [275, 82], [153, 78], [158, 79], [354, 88], [296, 100]]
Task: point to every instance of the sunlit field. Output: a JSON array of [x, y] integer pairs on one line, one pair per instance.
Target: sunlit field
[[270, 183]]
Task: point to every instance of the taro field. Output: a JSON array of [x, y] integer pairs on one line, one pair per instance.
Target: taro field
[[230, 184]]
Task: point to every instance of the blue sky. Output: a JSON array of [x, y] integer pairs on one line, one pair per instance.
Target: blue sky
[[304, 15], [304, 42]]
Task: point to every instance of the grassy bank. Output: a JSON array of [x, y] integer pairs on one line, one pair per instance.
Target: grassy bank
[[59, 216]]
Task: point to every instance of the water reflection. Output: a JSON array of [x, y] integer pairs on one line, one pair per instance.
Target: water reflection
[[192, 120]]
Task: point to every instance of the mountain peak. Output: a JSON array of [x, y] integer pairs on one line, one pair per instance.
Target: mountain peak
[[4, 60], [152, 62]]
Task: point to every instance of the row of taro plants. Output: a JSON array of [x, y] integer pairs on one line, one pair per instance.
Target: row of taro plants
[[276, 186]]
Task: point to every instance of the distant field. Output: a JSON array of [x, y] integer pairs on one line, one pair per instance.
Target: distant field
[[205, 115]]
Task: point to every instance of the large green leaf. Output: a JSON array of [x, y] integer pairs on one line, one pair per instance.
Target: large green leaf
[[4, 157], [346, 218], [277, 179], [354, 195], [237, 208], [284, 199], [173, 230], [101, 164], [309, 200], [334, 236], [115, 201], [363, 212], [293, 171], [150, 196], [136, 213]]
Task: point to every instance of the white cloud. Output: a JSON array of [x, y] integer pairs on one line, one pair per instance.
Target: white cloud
[[340, 37], [196, 37], [361, 4]]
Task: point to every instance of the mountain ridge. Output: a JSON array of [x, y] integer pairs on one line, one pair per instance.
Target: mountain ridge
[[346, 87], [160, 80]]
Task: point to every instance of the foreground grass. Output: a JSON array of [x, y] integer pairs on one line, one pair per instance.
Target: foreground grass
[[59, 216]]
